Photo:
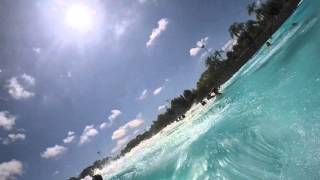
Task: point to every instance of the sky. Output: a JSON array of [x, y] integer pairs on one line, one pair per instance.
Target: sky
[[78, 77]]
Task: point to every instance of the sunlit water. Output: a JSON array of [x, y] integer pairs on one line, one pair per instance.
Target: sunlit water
[[265, 126]]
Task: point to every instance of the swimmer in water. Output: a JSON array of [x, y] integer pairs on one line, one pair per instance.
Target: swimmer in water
[[268, 44]]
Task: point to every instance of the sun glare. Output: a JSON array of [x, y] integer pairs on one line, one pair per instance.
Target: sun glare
[[80, 18]]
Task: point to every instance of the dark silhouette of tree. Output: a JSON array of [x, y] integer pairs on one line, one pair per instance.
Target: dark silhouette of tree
[[251, 8]]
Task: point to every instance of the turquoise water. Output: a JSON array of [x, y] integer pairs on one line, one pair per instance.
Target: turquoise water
[[265, 126]]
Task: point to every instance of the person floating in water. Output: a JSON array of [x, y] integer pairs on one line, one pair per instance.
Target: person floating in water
[[97, 177], [203, 103], [268, 44], [213, 93], [293, 26], [216, 91]]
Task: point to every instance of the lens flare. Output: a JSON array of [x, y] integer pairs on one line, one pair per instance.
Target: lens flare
[[80, 18]]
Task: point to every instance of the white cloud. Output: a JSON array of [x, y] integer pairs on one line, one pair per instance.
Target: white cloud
[[18, 87], [157, 91], [71, 133], [120, 144], [143, 95], [194, 51], [10, 169], [161, 108], [55, 173], [229, 45], [103, 125], [202, 42], [16, 137], [122, 131], [162, 26], [88, 133], [114, 114], [37, 50], [121, 27], [135, 123], [52, 152], [70, 138], [28, 79], [7, 121], [119, 133], [13, 138]]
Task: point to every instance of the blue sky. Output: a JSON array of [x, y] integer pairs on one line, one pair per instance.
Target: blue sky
[[79, 77]]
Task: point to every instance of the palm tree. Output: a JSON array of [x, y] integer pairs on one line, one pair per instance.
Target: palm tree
[[208, 62], [188, 96], [251, 8], [260, 15], [233, 30], [259, 11], [236, 29], [251, 29], [268, 10], [217, 56]]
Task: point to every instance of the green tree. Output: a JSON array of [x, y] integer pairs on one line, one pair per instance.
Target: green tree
[[189, 96], [236, 29]]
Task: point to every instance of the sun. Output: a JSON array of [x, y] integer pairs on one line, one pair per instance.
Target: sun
[[80, 18]]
